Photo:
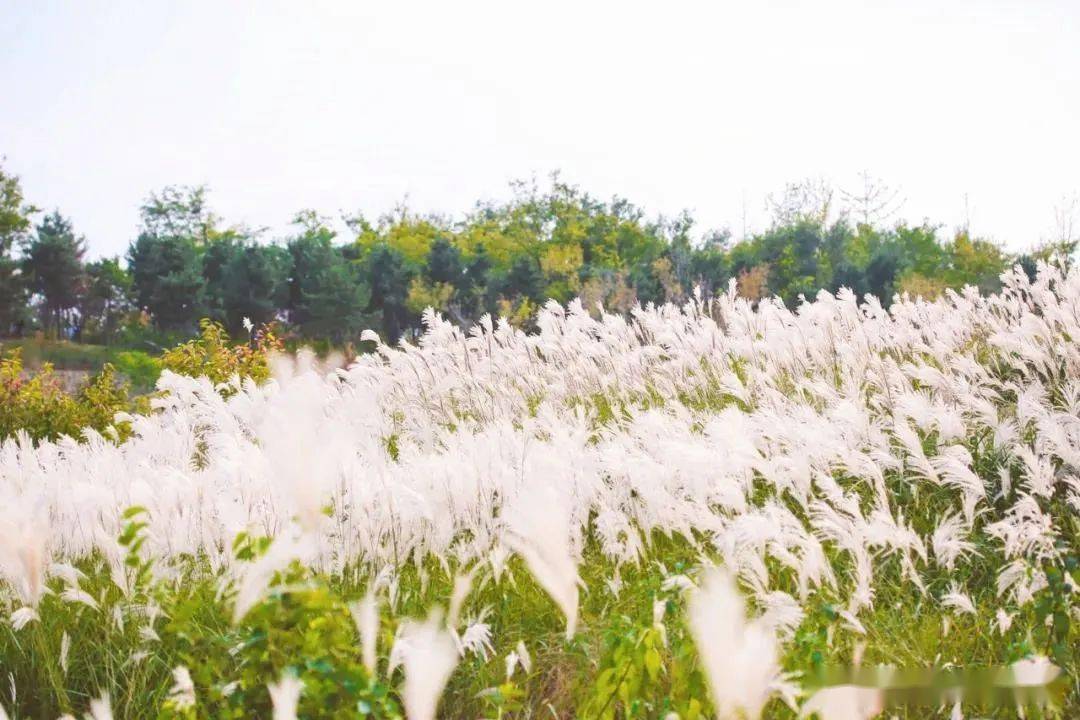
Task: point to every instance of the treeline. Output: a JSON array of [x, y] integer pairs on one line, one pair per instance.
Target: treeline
[[502, 258]]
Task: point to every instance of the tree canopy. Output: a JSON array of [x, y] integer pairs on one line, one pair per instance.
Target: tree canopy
[[555, 241]]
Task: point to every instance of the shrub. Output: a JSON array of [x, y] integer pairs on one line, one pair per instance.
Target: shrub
[[39, 405], [302, 628], [139, 368], [213, 355]]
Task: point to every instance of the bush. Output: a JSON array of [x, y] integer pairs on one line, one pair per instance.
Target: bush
[[139, 368], [302, 627], [213, 355], [39, 405]]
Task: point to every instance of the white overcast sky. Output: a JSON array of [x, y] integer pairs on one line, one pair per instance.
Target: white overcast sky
[[346, 105]]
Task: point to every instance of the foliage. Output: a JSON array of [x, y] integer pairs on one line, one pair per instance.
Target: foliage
[[327, 295], [61, 354], [37, 402], [302, 629], [105, 304], [140, 368], [14, 222], [53, 268], [388, 276], [213, 356], [894, 488], [167, 280], [554, 242], [649, 668], [39, 406]]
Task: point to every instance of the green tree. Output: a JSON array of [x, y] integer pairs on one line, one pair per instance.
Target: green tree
[[791, 252], [524, 280], [476, 291], [442, 284], [214, 256], [244, 279], [710, 266], [14, 223], [167, 280], [12, 296], [881, 272], [444, 264], [165, 260], [389, 277], [178, 211], [105, 300], [976, 261], [52, 264], [326, 293], [255, 285]]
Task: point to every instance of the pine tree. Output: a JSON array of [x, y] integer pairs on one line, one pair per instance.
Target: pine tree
[[53, 266]]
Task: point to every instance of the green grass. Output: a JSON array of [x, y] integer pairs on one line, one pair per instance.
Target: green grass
[[289, 629], [139, 367], [62, 354], [602, 671]]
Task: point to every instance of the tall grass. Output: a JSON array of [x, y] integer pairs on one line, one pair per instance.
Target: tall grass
[[564, 523]]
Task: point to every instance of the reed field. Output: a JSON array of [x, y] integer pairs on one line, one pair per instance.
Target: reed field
[[693, 511]]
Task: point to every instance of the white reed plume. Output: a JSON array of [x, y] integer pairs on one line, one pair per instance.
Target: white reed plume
[[365, 614], [101, 708], [285, 696], [429, 655], [538, 523], [182, 692], [844, 702], [740, 656]]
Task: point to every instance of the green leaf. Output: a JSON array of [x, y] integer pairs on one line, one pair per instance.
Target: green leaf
[[652, 663]]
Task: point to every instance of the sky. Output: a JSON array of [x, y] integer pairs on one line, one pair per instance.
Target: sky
[[969, 108]]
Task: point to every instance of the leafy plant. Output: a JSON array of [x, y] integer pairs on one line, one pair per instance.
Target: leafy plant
[[38, 405], [214, 356], [302, 628], [648, 669]]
